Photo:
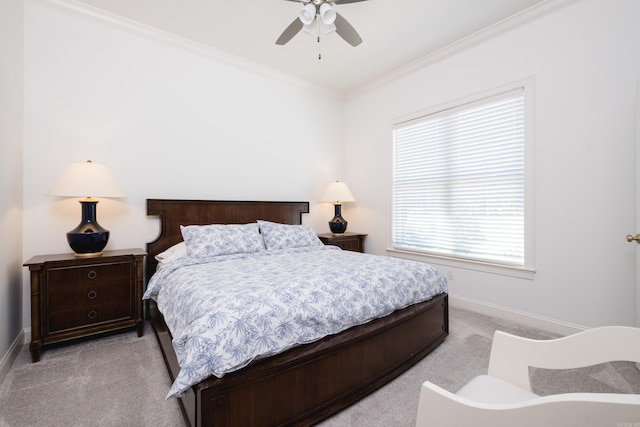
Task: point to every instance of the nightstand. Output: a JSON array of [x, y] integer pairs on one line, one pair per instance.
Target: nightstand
[[73, 297], [347, 241]]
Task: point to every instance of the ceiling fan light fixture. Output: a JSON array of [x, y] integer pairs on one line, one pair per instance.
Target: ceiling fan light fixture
[[319, 17], [307, 14], [327, 13], [329, 28], [311, 28]]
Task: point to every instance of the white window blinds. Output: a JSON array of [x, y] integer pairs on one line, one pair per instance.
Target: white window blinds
[[458, 182]]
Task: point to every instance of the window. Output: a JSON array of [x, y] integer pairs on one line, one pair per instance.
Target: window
[[461, 182]]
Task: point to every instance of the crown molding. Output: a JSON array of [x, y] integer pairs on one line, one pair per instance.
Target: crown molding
[[85, 11], [92, 13], [528, 15]]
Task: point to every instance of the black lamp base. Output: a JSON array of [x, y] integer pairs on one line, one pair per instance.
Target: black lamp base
[[89, 238], [338, 225]]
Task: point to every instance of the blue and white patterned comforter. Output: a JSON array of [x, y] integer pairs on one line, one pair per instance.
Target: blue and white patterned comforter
[[232, 309]]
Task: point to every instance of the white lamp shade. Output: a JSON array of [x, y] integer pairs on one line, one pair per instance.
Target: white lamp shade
[[337, 193], [86, 179], [311, 28], [327, 13], [307, 14], [330, 28]]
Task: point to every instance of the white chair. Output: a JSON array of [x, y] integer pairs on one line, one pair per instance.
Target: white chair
[[503, 397]]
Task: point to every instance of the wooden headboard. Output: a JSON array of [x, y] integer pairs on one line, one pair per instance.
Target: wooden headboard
[[174, 213]]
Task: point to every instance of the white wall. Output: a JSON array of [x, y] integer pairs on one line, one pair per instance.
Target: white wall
[[11, 29], [584, 61], [172, 123], [168, 122]]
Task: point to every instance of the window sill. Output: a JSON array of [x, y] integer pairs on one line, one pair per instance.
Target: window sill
[[503, 270]]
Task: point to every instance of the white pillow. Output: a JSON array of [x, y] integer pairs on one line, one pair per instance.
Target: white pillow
[[284, 236], [205, 241], [174, 252]]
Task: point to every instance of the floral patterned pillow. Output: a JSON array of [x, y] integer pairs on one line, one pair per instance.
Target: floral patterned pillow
[[284, 236], [206, 241]]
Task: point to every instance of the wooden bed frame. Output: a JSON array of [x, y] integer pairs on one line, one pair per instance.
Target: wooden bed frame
[[308, 383]]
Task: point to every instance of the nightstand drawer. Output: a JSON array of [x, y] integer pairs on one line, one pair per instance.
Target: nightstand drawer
[[348, 245], [84, 316], [63, 279], [88, 295]]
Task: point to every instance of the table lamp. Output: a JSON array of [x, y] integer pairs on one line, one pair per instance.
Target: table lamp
[[338, 193], [87, 180]]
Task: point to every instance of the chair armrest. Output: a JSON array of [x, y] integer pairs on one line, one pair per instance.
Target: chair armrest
[[511, 356], [438, 407]]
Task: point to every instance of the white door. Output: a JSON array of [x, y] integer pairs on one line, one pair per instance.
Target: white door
[[631, 238], [637, 204]]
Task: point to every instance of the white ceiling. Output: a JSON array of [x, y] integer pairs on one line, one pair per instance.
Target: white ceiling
[[395, 32]]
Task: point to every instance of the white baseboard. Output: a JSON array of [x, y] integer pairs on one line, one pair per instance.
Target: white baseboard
[[527, 319], [11, 354]]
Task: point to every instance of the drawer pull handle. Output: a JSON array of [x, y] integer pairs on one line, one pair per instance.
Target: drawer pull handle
[[92, 274], [92, 314], [92, 295]]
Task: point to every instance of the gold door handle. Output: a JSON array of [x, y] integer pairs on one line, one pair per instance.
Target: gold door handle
[[631, 238]]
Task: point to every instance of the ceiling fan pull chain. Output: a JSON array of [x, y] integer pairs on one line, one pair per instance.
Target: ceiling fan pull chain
[[319, 44]]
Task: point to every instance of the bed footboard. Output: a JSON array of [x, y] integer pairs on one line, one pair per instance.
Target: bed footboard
[[312, 382]]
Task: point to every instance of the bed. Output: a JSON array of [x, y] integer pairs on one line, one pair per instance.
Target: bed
[[306, 383]]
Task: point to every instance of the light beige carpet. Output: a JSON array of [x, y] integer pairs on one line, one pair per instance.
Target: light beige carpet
[[121, 380]]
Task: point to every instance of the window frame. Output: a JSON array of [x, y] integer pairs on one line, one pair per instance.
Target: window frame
[[528, 268]]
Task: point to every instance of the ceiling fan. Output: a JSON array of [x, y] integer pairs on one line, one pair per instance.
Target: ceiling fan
[[319, 16]]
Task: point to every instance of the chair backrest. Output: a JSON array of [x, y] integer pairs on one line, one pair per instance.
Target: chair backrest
[[511, 356]]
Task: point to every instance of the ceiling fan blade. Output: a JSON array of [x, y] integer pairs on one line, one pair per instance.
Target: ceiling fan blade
[[293, 29], [346, 31]]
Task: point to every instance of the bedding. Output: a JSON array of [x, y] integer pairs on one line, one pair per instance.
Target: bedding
[[174, 252], [205, 241], [284, 236], [225, 311]]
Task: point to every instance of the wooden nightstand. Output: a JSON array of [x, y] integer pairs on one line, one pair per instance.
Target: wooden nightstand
[[73, 297], [346, 241]]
